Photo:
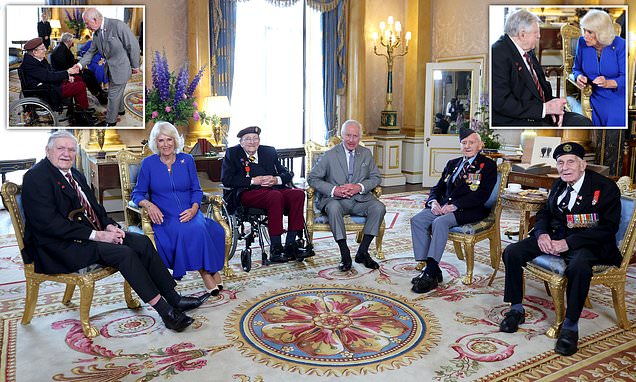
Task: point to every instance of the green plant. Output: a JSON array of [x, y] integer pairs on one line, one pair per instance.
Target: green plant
[[75, 22]]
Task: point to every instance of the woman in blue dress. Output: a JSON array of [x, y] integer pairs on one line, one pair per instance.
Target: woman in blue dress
[[600, 61], [97, 64], [168, 188]]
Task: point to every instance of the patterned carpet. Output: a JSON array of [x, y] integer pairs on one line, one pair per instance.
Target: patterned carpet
[[310, 322], [133, 101]]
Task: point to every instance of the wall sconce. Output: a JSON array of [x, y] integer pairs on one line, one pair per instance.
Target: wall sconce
[[55, 26], [390, 39], [218, 107]]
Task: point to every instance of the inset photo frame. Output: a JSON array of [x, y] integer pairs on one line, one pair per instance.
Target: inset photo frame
[[541, 65], [75, 67]]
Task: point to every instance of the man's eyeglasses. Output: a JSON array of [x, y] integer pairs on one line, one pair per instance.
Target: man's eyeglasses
[[250, 140], [42, 48]]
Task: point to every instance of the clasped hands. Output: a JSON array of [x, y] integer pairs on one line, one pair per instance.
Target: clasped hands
[[111, 234], [600, 81], [552, 247], [346, 191], [264, 180], [156, 216], [436, 209]]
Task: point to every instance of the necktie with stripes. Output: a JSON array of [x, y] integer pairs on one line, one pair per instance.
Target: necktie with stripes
[[535, 79], [87, 206]]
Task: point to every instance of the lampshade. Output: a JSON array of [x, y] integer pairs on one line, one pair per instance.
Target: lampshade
[[218, 105], [55, 23]]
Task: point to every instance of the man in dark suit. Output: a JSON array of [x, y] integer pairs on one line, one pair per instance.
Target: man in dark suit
[[457, 198], [521, 95], [119, 47], [578, 223], [60, 240], [62, 59], [57, 84], [44, 30], [255, 178], [345, 177]]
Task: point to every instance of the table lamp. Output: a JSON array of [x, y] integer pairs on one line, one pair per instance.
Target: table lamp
[[218, 107]]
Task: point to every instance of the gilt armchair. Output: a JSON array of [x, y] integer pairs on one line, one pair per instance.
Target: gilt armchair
[[84, 279], [137, 219], [316, 220], [468, 235], [550, 269]]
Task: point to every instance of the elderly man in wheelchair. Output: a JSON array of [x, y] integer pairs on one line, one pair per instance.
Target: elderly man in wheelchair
[[54, 85], [256, 183]]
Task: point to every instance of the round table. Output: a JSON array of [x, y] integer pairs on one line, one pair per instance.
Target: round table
[[526, 201]]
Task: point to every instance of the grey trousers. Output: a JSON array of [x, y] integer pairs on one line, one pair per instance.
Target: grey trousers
[[373, 209], [430, 234], [115, 101]]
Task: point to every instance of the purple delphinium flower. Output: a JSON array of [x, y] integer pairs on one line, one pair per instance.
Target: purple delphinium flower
[[161, 76], [180, 85], [195, 82]]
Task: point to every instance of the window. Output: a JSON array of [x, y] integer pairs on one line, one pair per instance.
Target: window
[[268, 74]]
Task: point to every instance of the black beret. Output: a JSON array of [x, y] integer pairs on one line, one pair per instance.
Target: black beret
[[33, 43], [249, 130], [569, 148], [465, 132]]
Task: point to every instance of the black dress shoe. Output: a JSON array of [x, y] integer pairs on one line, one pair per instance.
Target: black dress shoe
[[567, 342], [297, 252], [121, 113], [188, 303], [366, 259], [512, 320], [425, 284], [278, 255], [177, 320], [417, 278], [106, 124], [345, 262]]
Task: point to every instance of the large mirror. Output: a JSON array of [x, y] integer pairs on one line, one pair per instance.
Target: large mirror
[[452, 98]]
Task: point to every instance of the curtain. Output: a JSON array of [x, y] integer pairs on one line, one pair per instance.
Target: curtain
[[320, 5], [222, 40], [334, 32]]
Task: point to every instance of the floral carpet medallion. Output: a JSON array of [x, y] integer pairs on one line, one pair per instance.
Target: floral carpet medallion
[[134, 102], [322, 330]]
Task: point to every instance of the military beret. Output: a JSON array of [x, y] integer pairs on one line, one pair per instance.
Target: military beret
[[33, 43], [465, 132], [569, 148], [249, 130]]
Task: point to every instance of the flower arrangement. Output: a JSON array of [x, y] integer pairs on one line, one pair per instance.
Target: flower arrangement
[[171, 98], [481, 124], [75, 22]]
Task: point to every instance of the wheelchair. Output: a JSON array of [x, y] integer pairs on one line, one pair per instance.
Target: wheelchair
[[250, 224], [34, 109]]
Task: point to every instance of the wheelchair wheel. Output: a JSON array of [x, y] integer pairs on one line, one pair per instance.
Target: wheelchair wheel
[[31, 112]]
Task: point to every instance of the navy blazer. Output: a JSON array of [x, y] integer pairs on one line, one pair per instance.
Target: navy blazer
[[235, 178], [469, 203], [40, 75], [55, 243], [515, 98], [598, 194]]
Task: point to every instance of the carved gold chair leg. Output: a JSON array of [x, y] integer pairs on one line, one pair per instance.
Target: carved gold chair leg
[[68, 294], [495, 258], [588, 303], [618, 298], [131, 302], [547, 288], [359, 237], [378, 243], [420, 266], [469, 250], [458, 250], [558, 298], [32, 290], [86, 297]]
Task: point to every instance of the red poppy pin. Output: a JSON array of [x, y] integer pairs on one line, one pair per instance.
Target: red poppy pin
[[59, 183], [518, 66], [597, 194]]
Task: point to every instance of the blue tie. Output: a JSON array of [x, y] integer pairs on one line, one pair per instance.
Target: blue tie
[[351, 163]]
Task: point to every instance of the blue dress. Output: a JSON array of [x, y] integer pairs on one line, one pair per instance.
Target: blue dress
[[94, 65], [197, 244], [608, 105]]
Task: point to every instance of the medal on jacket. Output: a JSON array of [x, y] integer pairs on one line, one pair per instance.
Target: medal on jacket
[[582, 220], [246, 164], [597, 194], [474, 179]]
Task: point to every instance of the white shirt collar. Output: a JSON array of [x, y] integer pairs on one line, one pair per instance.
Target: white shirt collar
[[578, 184]]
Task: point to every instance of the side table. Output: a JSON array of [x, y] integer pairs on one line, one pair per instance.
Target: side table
[[526, 201]]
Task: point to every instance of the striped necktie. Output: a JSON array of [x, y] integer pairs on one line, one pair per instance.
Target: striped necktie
[[535, 79], [352, 160], [90, 212]]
